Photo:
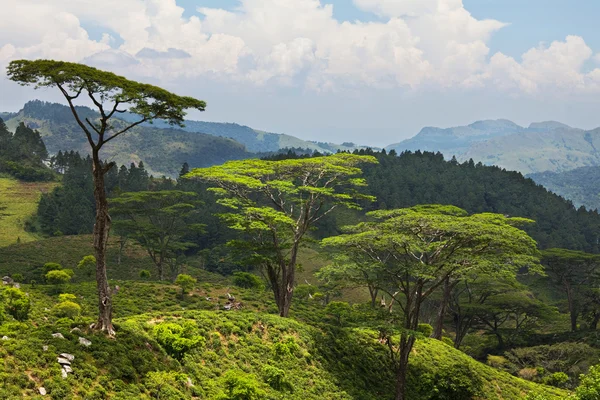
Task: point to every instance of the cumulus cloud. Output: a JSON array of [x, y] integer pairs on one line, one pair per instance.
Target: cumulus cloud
[[417, 43]]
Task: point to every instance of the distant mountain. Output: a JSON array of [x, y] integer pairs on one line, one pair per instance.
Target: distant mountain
[[162, 148], [581, 185], [543, 146]]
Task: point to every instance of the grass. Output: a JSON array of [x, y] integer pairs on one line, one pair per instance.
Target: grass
[[20, 200]]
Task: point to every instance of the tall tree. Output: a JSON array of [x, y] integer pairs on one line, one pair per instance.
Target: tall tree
[[110, 94], [275, 203], [418, 248], [573, 272], [158, 221]]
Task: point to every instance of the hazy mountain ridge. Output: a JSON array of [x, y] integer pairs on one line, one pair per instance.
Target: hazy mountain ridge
[[543, 146], [162, 147]]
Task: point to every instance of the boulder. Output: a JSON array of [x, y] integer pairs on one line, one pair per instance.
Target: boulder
[[42, 391], [68, 356], [5, 338], [85, 342], [58, 335], [63, 361]]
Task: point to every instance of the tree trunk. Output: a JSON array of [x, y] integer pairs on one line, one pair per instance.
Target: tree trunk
[[406, 345], [441, 314], [101, 231], [594, 323]]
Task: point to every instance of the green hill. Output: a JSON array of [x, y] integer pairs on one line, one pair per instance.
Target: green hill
[[580, 185], [220, 353]]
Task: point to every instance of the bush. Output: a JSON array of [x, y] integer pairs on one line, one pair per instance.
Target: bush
[[51, 266], [17, 303], [589, 388], [176, 339], [425, 329], [145, 274], [185, 282], [241, 386], [17, 277], [59, 277], [67, 297], [67, 309], [276, 378], [557, 379], [247, 280], [166, 385]]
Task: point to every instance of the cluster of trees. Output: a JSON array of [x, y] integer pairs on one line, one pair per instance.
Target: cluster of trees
[[23, 153]]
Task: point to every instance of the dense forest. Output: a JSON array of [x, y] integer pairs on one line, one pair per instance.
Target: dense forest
[[581, 185]]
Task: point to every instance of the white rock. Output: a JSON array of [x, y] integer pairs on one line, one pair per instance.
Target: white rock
[[58, 335], [45, 348], [5, 338], [63, 373], [63, 361], [85, 342], [75, 330], [68, 356], [42, 391], [67, 368]]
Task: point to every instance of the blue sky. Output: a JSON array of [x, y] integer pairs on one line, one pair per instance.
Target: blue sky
[[288, 66]]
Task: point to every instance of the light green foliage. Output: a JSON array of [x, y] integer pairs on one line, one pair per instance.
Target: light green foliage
[[276, 202], [67, 297], [247, 280], [51, 266], [166, 385], [16, 303], [67, 309], [158, 222], [589, 388], [425, 329], [87, 262], [276, 378], [557, 379], [339, 310], [185, 282], [241, 386], [59, 277], [178, 339]]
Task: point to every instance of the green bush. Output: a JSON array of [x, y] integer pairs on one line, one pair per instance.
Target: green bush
[[51, 266], [67, 309], [17, 277], [17, 303], [176, 339], [247, 280], [557, 379], [425, 329], [166, 385], [589, 387], [185, 282], [241, 386], [276, 378], [145, 274], [59, 277]]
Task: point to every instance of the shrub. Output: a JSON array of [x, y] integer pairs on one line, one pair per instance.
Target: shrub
[[302, 292], [176, 339], [145, 274], [17, 277], [67, 297], [339, 310], [59, 277], [241, 386], [589, 388], [557, 379], [425, 329], [17, 303], [166, 385], [67, 309], [185, 282], [276, 378], [51, 266], [247, 280]]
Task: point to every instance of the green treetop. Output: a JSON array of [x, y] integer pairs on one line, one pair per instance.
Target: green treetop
[[276, 203]]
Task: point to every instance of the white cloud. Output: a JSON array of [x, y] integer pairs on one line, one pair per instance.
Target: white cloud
[[418, 43]]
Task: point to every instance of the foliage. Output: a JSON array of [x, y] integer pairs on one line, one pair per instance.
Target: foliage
[[275, 203], [16, 303], [185, 282], [247, 280], [59, 277], [67, 309], [177, 339], [589, 388], [240, 386]]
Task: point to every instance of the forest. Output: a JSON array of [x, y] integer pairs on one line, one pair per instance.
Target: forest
[[296, 275]]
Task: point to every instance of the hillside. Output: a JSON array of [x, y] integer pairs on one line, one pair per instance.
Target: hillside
[[544, 146], [580, 185], [21, 200], [249, 351], [162, 148]]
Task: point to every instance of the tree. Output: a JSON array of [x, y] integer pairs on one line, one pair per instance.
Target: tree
[[419, 248], [17, 303], [59, 277], [185, 282], [573, 272], [111, 94], [275, 203], [157, 221]]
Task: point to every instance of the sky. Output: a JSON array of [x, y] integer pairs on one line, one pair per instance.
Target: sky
[[369, 71]]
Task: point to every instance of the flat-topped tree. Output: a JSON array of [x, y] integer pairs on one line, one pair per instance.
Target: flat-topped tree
[[111, 94], [275, 203]]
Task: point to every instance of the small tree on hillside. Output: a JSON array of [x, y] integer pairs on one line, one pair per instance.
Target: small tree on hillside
[[158, 221], [573, 272], [185, 282], [418, 248], [275, 203], [111, 95]]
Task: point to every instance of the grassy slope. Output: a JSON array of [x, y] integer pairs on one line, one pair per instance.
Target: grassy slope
[[325, 362], [21, 200]]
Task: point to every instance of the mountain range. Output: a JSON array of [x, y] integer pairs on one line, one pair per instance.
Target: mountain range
[[544, 146], [161, 147]]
